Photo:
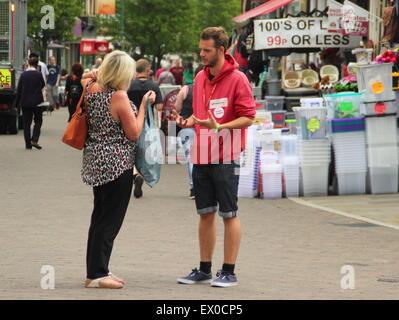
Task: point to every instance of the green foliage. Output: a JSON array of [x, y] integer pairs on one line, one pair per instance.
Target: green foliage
[[65, 17], [158, 27]]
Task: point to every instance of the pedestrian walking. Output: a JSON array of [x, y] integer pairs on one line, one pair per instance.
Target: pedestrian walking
[[177, 71], [42, 67], [73, 88], [53, 82], [114, 125], [166, 77], [137, 90], [29, 97], [184, 106], [222, 104]]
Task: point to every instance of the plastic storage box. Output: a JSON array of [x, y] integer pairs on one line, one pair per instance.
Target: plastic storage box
[[352, 183], [274, 103], [375, 82], [278, 118], [344, 105], [380, 108]]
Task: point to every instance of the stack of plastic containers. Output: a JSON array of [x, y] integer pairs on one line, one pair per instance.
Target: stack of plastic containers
[[249, 181], [349, 140], [382, 154], [375, 84], [290, 162], [271, 175], [314, 158]]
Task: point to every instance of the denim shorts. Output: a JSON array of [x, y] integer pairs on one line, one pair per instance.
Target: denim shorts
[[216, 187]]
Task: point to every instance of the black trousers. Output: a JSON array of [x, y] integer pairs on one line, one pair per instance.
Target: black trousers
[[29, 114], [110, 204]]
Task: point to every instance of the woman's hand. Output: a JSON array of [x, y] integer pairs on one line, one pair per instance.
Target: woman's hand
[[91, 75], [150, 95]]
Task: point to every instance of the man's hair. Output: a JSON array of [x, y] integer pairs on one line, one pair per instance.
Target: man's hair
[[142, 65], [34, 55], [218, 34], [33, 61]]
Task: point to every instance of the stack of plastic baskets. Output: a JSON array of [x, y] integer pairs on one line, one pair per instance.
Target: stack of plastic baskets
[[314, 158], [349, 141], [382, 151]]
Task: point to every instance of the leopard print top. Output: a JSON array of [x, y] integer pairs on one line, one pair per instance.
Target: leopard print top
[[107, 152]]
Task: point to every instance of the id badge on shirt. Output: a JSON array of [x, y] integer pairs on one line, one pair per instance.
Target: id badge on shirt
[[217, 106]]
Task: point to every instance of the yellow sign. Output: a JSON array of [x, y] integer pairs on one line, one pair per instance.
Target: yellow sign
[[106, 7], [5, 79], [378, 87], [313, 125]]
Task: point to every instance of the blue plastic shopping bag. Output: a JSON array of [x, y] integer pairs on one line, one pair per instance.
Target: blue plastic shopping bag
[[149, 156]]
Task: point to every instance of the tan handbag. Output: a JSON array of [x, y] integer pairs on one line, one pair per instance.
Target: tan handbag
[[75, 134]]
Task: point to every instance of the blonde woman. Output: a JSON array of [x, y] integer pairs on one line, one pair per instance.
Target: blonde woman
[[108, 159]]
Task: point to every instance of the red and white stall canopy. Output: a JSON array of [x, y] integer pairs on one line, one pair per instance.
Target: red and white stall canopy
[[93, 46]]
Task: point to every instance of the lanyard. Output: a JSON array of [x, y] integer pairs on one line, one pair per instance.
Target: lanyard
[[206, 103]]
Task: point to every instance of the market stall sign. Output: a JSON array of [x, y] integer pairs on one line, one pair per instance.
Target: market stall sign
[[102, 46], [299, 33], [348, 19], [5, 79], [87, 46]]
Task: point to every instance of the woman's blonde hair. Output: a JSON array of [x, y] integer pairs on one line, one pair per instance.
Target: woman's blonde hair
[[116, 71]]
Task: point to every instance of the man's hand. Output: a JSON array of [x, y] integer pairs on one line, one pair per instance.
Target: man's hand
[[209, 123], [180, 121]]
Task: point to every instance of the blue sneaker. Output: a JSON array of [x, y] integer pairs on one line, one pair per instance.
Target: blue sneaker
[[196, 276], [224, 279]]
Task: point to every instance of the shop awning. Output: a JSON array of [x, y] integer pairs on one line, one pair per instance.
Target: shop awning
[[265, 8]]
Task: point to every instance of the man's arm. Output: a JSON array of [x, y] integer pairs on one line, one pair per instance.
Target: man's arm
[[241, 122]]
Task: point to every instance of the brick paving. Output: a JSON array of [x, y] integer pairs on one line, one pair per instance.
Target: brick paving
[[289, 251]]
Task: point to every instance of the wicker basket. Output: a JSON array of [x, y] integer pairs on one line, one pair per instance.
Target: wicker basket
[[331, 71], [292, 80], [309, 77]]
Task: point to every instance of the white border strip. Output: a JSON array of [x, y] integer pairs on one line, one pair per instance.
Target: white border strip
[[372, 221]]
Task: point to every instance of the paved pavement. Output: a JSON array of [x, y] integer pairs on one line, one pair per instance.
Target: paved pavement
[[289, 250]]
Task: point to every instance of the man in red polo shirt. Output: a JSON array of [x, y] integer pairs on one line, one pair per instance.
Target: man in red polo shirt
[[223, 107]]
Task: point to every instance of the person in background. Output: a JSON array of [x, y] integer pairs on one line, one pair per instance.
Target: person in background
[[29, 96], [98, 63], [114, 126], [73, 88], [188, 74], [166, 77], [177, 72], [41, 66], [137, 90], [158, 72], [184, 106], [53, 82]]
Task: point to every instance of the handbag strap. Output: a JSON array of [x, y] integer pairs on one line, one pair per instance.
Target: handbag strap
[[150, 113]]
